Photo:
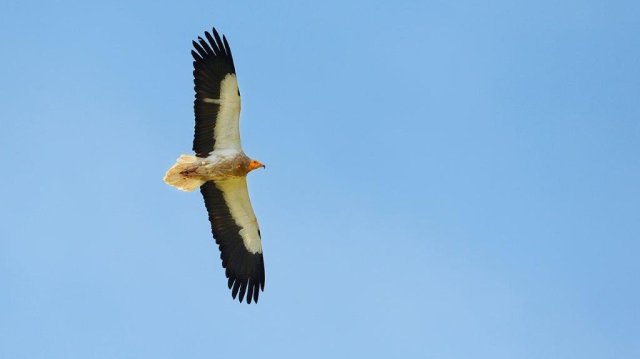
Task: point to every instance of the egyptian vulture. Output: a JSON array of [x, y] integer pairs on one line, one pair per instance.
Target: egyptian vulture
[[220, 167]]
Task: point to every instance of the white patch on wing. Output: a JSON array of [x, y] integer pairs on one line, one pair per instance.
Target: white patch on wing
[[212, 100], [227, 131], [236, 195]]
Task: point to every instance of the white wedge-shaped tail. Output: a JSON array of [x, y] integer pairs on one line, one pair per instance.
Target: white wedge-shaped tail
[[178, 175]]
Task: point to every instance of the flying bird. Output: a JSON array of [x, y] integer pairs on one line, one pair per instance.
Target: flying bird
[[220, 166]]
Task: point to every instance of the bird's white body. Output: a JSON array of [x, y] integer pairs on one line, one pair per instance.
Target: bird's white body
[[190, 172]]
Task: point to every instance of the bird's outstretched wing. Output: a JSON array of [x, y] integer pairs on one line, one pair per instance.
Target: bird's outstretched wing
[[236, 231], [217, 103]]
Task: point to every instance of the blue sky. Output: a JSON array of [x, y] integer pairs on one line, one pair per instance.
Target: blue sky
[[444, 180]]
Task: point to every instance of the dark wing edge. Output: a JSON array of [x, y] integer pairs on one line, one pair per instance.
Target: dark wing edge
[[245, 270], [212, 63]]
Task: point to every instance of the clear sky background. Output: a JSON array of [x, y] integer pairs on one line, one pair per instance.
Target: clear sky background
[[445, 179]]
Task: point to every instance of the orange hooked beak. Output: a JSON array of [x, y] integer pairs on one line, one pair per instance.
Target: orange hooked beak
[[255, 164]]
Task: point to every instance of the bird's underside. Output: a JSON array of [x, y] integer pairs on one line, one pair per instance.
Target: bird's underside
[[219, 167], [190, 172]]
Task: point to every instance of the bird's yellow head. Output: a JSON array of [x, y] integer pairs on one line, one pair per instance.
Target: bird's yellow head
[[253, 164]]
